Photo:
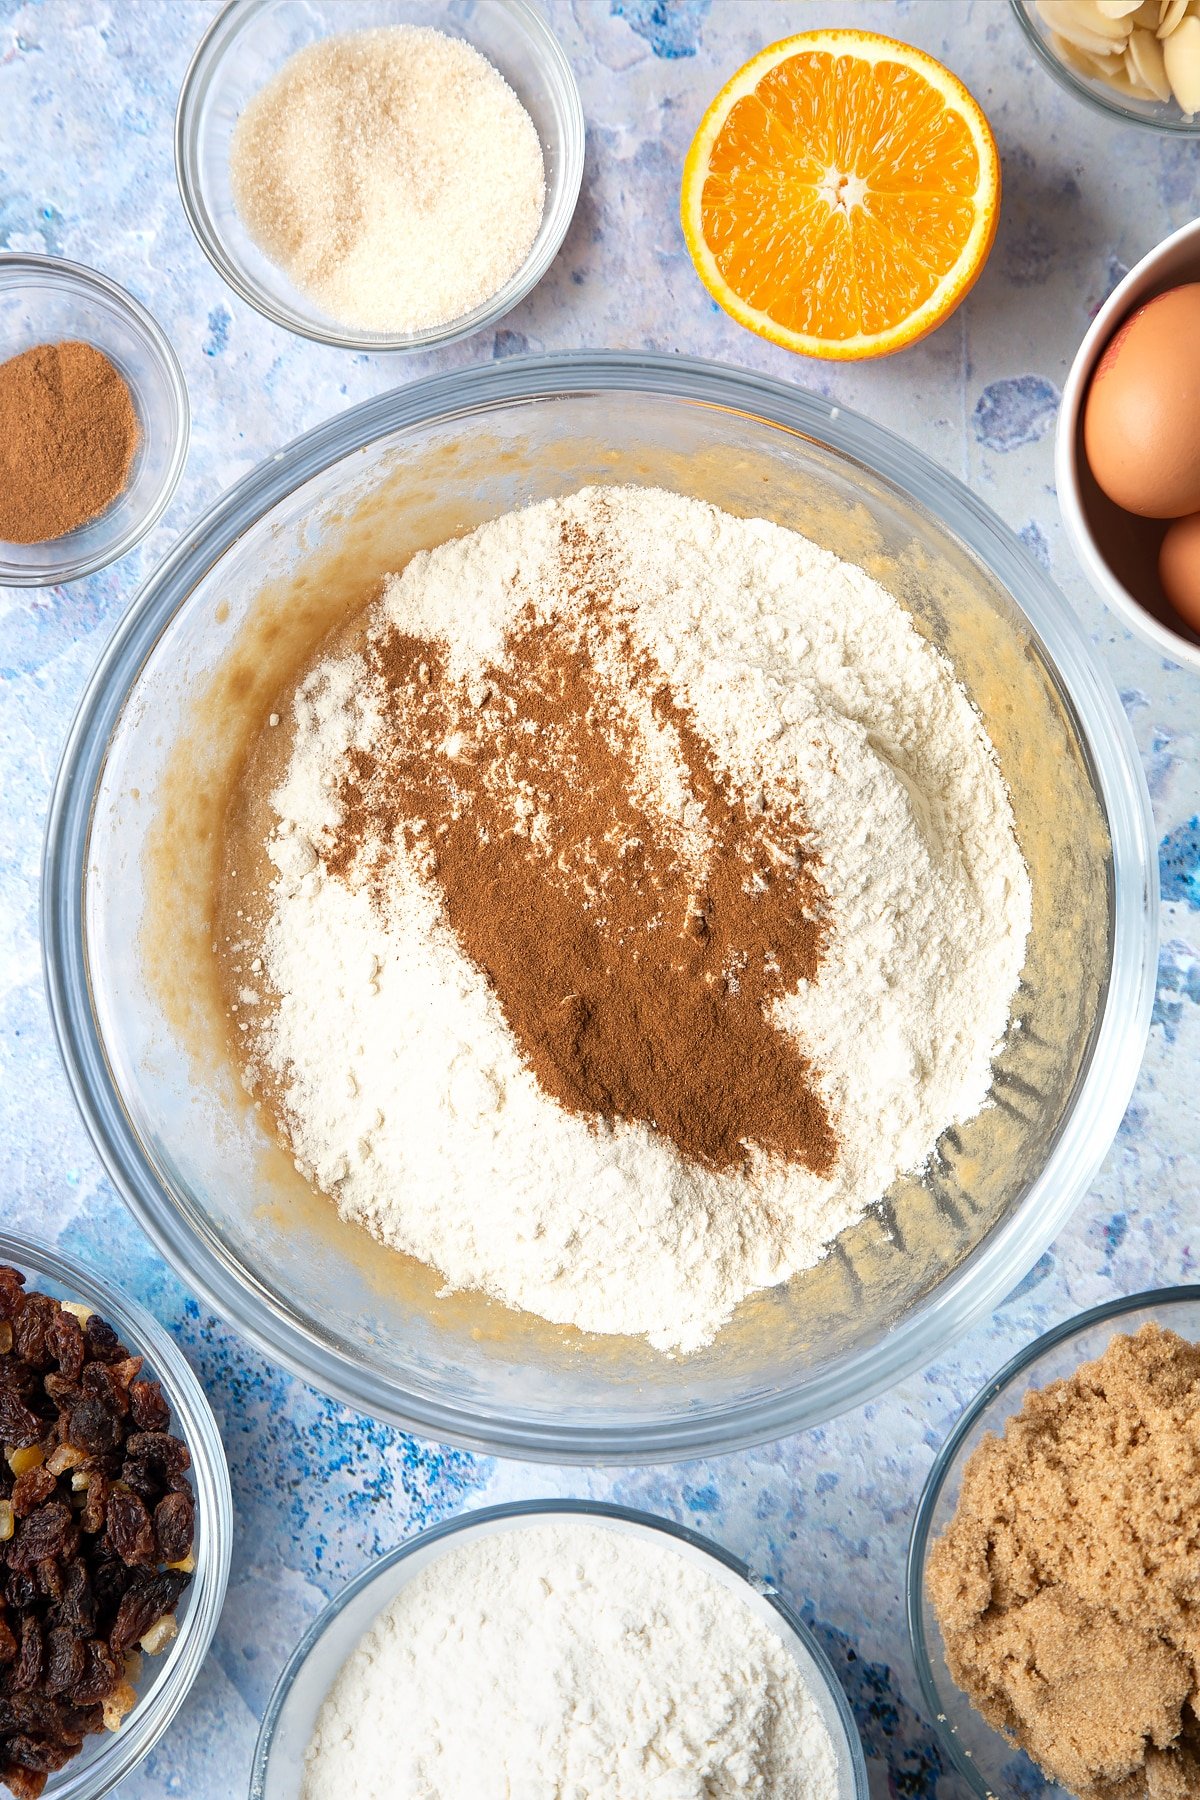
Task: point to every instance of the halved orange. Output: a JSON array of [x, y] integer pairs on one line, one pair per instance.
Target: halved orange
[[841, 194]]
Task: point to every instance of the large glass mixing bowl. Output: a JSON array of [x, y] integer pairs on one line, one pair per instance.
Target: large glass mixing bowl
[[198, 662]]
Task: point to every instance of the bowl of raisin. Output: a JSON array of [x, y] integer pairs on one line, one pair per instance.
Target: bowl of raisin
[[115, 1529]]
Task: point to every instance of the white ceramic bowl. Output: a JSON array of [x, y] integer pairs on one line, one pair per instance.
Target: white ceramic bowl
[[1113, 545]]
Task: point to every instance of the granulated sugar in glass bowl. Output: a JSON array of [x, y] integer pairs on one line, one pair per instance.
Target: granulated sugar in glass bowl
[[393, 174], [245, 49], [253, 591]]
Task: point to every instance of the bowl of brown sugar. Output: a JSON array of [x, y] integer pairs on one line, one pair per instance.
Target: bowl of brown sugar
[[1054, 1564], [93, 421]]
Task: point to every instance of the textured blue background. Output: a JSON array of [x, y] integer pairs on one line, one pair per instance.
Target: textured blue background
[[87, 95]]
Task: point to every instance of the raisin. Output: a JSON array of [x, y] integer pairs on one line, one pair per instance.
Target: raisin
[[20, 1589], [150, 1410], [17, 1377], [103, 1344], [26, 1712], [31, 1330], [147, 1599], [130, 1530], [110, 1578], [157, 1455], [60, 1390], [50, 1531], [21, 1781], [8, 1643], [95, 1507], [12, 1291], [48, 1575], [19, 1426], [107, 1383], [101, 1674], [26, 1672], [93, 1425], [40, 1753], [32, 1489], [75, 1608], [65, 1660], [175, 1527], [65, 1342]]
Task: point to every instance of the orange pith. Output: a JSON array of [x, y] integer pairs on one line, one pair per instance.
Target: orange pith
[[841, 194]]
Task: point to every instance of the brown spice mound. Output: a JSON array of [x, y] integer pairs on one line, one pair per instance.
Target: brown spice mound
[[1067, 1585], [68, 433], [635, 954]]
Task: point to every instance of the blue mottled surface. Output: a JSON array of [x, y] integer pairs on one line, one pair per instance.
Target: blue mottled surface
[[87, 93]]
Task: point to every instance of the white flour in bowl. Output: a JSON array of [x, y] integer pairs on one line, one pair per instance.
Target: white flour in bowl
[[772, 717], [569, 1661]]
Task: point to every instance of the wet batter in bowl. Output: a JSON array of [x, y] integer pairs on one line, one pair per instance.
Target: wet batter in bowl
[[619, 907]]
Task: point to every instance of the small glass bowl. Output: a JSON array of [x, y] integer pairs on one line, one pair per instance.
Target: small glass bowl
[[45, 300], [992, 1767], [1159, 115], [245, 46], [107, 1758], [301, 1689]]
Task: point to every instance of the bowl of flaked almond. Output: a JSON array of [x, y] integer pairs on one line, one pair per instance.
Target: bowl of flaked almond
[[1136, 60], [598, 907]]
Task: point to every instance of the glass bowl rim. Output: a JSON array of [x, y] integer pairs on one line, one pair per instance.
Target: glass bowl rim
[[919, 1539], [570, 1508], [1076, 84], [78, 278], [983, 1276], [562, 195], [194, 1421]]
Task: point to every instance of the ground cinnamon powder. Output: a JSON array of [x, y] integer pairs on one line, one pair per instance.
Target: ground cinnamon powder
[[68, 433], [635, 958], [1067, 1585]]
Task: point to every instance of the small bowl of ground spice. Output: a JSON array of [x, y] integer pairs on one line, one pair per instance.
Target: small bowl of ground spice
[[380, 174], [115, 1529], [1054, 1564], [93, 421]]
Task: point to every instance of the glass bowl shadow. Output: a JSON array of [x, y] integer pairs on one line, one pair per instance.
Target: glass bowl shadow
[[293, 1707], [45, 300], [1158, 115], [245, 46], [992, 1766], [108, 1757], [204, 654]]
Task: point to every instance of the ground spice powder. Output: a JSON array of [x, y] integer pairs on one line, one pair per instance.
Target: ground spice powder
[[1067, 1585], [68, 434], [636, 976]]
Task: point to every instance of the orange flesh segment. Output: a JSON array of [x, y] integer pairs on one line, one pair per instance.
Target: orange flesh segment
[[826, 269]]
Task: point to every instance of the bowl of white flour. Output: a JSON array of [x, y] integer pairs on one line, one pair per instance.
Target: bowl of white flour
[[599, 909], [553, 1647]]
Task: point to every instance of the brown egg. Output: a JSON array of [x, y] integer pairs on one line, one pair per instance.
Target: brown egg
[[1179, 568], [1141, 419]]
